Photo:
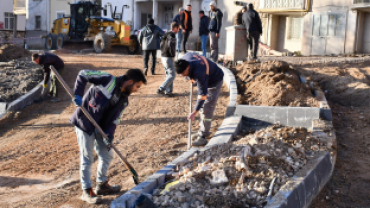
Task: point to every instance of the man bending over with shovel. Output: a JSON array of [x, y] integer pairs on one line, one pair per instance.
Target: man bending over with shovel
[[105, 101], [47, 60], [209, 78]]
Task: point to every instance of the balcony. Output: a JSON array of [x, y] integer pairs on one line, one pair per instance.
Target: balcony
[[362, 5], [19, 7], [283, 5]]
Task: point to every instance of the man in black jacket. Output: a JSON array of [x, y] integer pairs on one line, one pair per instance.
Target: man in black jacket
[[203, 31], [47, 60], [186, 25], [215, 27], [253, 26], [168, 49]]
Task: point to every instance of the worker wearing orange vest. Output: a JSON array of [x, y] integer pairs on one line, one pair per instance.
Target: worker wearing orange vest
[[186, 20]]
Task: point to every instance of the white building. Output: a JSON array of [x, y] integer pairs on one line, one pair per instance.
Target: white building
[[7, 18], [118, 4]]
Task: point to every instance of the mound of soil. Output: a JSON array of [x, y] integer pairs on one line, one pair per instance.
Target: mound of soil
[[10, 51], [16, 79], [345, 85], [272, 84]]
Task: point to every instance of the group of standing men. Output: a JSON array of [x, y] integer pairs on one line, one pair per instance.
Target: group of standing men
[[207, 28]]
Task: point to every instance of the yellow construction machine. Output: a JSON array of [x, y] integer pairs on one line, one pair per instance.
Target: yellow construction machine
[[83, 26]]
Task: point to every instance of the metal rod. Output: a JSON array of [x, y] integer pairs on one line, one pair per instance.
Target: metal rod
[[91, 119], [191, 110]]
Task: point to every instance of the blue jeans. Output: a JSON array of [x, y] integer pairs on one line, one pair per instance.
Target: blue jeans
[[179, 37], [170, 74], [204, 39], [86, 145]]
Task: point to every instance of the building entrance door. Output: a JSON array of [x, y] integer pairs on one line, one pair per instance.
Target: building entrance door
[[328, 34], [168, 16]]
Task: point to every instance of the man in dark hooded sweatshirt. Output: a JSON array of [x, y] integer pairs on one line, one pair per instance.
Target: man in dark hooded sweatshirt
[[253, 26], [149, 39]]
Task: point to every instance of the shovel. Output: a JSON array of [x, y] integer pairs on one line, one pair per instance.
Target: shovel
[[191, 110], [105, 137]]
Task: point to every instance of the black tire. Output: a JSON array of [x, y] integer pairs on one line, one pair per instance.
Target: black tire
[[102, 43], [133, 48], [60, 41], [50, 41]]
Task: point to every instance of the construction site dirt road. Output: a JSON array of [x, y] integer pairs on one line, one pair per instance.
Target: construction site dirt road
[[38, 147]]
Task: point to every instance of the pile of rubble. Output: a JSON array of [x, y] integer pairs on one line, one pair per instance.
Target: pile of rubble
[[272, 83], [243, 174], [18, 78]]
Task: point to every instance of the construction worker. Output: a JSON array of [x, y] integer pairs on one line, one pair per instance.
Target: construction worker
[[179, 35], [209, 78], [168, 49], [149, 39], [214, 28], [47, 60], [203, 31], [186, 25], [105, 101], [253, 26]]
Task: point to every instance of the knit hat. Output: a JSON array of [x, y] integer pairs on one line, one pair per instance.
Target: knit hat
[[213, 4]]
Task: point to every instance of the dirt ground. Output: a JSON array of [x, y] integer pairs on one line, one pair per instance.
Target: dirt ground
[[272, 83], [39, 157], [347, 89]]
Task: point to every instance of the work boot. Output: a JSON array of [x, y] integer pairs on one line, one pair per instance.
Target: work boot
[[171, 94], [146, 72], [201, 141], [105, 188], [160, 92], [54, 100], [89, 196]]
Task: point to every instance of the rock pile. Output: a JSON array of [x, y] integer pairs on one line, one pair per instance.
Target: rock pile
[[18, 78], [239, 174], [272, 83]]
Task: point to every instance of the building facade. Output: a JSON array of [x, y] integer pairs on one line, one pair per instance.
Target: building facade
[[7, 18]]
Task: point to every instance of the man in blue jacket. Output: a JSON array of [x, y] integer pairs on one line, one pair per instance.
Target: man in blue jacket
[[149, 39], [209, 78], [203, 31], [179, 35], [105, 101], [215, 27]]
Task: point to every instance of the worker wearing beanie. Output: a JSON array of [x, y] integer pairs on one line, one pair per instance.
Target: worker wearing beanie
[[209, 78]]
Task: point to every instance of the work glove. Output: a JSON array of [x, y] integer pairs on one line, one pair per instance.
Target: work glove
[[77, 100], [108, 142]]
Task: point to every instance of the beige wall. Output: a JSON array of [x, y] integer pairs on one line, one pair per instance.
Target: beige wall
[[7, 6], [59, 6]]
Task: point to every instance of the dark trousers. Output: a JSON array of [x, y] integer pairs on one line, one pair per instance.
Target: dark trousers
[[185, 39], [253, 39], [146, 59]]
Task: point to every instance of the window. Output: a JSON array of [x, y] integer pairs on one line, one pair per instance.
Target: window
[[60, 14], [336, 25], [295, 27], [38, 23], [9, 21]]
